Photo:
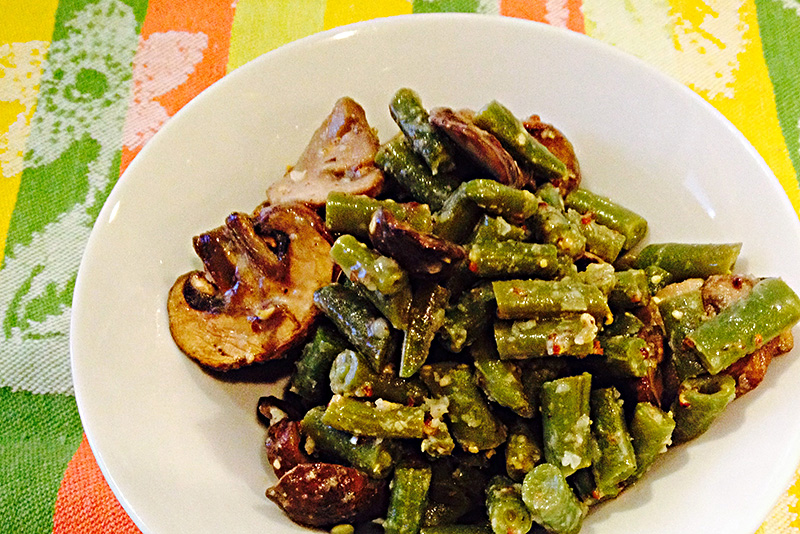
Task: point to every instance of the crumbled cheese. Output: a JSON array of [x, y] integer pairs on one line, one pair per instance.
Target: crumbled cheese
[[296, 176], [570, 459]]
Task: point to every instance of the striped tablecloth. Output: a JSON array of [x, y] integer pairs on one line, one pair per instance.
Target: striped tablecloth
[[85, 83]]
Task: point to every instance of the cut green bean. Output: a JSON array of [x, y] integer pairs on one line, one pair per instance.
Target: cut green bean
[[374, 457], [491, 229], [515, 205], [551, 501], [551, 194], [371, 269], [426, 316], [394, 307], [651, 433], [566, 423], [468, 318], [359, 321], [408, 112], [510, 258], [523, 450], [552, 225], [616, 460], [457, 217], [770, 308], [690, 260], [626, 356], [500, 380], [352, 375], [524, 299], [310, 379], [601, 275], [682, 310], [572, 335], [407, 500], [609, 213], [398, 159], [508, 514], [350, 214], [500, 121], [472, 422], [602, 241], [379, 419], [631, 290], [700, 401]]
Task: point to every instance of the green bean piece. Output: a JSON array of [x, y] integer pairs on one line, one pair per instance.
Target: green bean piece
[[509, 130], [601, 275], [700, 401], [394, 307], [625, 324], [456, 529], [552, 225], [682, 310], [457, 217], [551, 501], [626, 356], [374, 457], [467, 318], [551, 194], [602, 241], [525, 299], [472, 423], [515, 205], [310, 380], [359, 321], [352, 375], [536, 372], [616, 460], [438, 441], [651, 433], [366, 266], [508, 514], [657, 278], [398, 159], [523, 450], [608, 213], [426, 316], [500, 380], [407, 500], [690, 260], [566, 423], [407, 111], [630, 291], [746, 325], [584, 486], [510, 258], [379, 419], [571, 335], [490, 229], [350, 214]]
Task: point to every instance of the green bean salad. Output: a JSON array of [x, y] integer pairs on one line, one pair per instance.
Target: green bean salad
[[493, 347]]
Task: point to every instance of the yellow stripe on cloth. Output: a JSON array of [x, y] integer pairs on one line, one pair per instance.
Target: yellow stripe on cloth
[[341, 12], [713, 47], [25, 29], [260, 26]]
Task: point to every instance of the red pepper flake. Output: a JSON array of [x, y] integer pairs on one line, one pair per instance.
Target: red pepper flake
[[473, 267]]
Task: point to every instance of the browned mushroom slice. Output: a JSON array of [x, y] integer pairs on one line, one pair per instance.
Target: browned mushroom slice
[[557, 143], [320, 494], [283, 445], [339, 157], [721, 290], [750, 370], [268, 307], [420, 255], [480, 145]]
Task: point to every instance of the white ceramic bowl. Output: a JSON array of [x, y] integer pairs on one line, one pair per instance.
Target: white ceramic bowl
[[182, 449]]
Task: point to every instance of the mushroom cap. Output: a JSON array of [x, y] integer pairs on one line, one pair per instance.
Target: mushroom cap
[[261, 316]]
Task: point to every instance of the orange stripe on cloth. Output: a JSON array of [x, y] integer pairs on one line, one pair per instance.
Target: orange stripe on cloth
[[561, 13], [85, 504], [183, 49]]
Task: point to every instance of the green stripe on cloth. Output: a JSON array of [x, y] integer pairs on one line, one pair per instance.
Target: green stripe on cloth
[[779, 24], [453, 6], [71, 163], [38, 436]]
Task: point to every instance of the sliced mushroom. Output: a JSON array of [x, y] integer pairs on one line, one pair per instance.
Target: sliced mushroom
[[421, 255], [557, 143], [339, 157], [483, 147], [321, 494], [284, 446], [750, 370], [254, 300]]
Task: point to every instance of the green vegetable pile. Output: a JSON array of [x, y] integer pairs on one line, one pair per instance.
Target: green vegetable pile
[[502, 351]]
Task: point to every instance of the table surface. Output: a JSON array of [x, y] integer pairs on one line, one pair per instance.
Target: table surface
[[84, 84]]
